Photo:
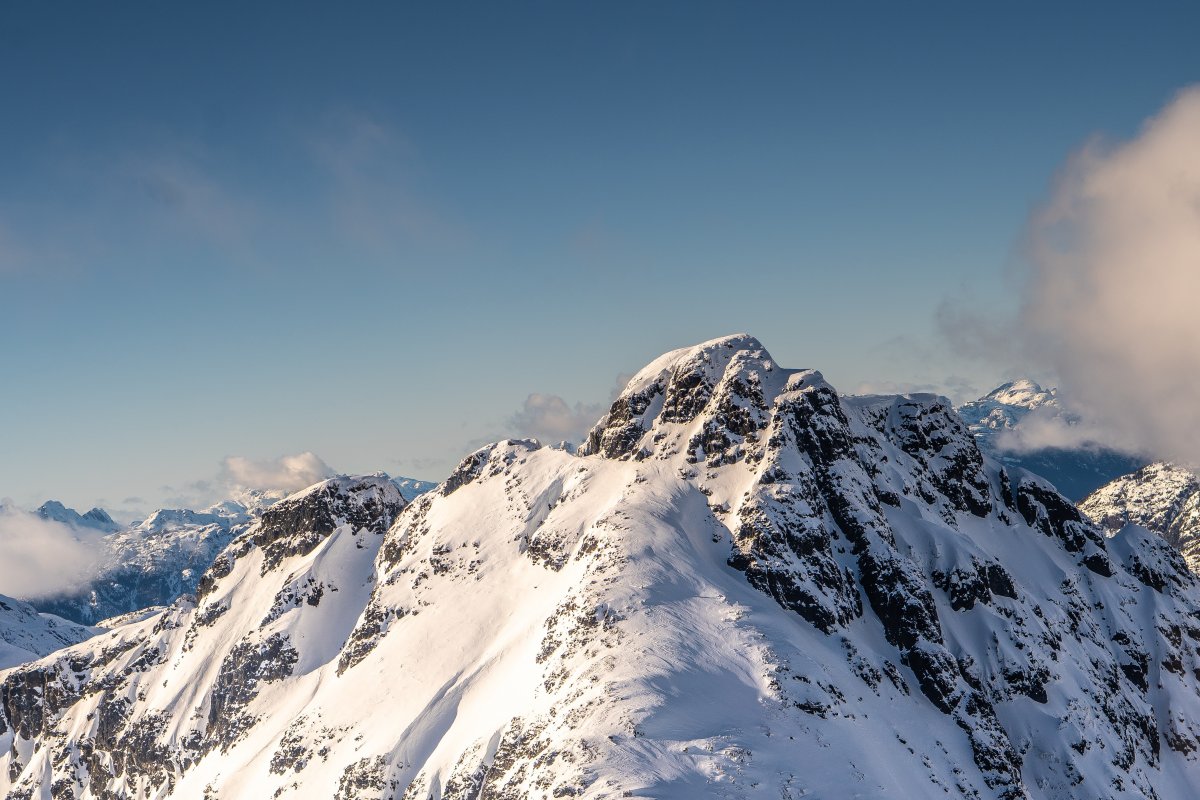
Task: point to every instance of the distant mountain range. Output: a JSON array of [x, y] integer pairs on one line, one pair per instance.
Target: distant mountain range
[[26, 634], [154, 561]]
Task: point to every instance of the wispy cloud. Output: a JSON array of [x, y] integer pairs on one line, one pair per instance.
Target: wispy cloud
[[187, 195], [147, 202], [369, 169], [550, 418]]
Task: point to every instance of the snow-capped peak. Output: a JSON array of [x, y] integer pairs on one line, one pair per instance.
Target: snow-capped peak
[[1022, 393], [96, 519], [711, 357]]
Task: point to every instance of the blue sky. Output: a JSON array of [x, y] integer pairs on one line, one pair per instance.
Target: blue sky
[[372, 231]]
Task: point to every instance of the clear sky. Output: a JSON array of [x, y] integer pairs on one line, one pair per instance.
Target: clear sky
[[371, 231]]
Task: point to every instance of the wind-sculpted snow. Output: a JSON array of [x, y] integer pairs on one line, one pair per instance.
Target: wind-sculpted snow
[[742, 586]]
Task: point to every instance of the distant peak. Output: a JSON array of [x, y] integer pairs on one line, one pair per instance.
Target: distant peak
[[99, 515], [97, 518], [1022, 392]]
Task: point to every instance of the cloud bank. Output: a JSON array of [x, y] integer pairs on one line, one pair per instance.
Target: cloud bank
[[1114, 284], [41, 557]]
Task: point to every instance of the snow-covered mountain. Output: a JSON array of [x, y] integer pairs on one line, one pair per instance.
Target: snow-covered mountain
[[26, 634], [97, 518], [741, 586], [996, 419], [1161, 497]]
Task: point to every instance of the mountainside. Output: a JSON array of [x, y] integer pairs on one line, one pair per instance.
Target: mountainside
[[26, 635], [996, 420], [741, 586], [1161, 497]]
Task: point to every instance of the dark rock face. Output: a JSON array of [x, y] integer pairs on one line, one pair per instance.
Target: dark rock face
[[815, 535], [623, 429], [295, 526], [247, 666]]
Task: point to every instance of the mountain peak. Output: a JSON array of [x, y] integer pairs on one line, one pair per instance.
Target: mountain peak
[[1023, 393], [724, 379], [97, 518]]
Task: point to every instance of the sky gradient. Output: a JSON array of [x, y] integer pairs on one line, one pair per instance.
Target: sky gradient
[[373, 232]]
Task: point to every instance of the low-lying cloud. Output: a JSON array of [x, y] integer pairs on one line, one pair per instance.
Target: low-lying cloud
[[1114, 284], [41, 557], [549, 418], [288, 473]]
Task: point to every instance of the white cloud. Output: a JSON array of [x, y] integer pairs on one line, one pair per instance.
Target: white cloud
[[289, 473], [549, 418], [40, 557], [1046, 428], [1114, 282]]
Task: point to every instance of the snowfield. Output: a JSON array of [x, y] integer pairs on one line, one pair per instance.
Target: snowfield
[[741, 586]]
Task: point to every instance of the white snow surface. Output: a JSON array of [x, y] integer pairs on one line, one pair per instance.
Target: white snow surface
[[26, 635], [1161, 497], [741, 586]]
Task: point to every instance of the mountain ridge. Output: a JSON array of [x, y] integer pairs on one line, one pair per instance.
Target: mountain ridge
[[743, 585]]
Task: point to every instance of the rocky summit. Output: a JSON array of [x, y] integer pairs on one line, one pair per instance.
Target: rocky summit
[[742, 585]]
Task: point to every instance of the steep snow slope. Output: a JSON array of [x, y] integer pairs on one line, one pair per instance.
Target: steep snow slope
[[743, 586], [26, 635], [997, 420], [1161, 497]]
